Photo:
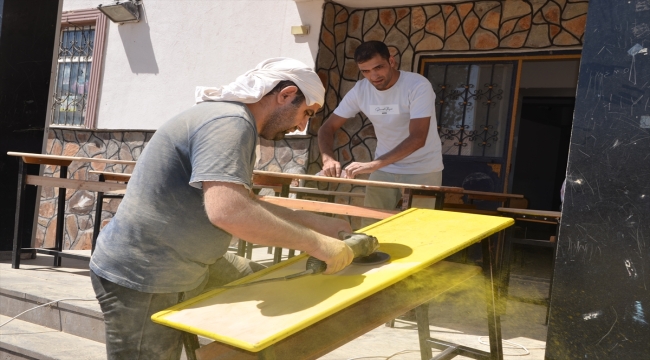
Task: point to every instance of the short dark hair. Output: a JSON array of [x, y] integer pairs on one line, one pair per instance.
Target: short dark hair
[[369, 49], [300, 97]]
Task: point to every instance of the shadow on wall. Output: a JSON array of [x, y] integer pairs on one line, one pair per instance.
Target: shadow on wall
[[136, 39]]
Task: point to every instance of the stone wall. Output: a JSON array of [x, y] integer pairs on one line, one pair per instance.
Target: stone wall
[[289, 155], [481, 26], [80, 204]]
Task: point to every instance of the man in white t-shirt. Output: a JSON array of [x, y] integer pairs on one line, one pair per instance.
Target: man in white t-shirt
[[401, 107]]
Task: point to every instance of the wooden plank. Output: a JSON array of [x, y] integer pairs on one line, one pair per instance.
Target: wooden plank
[[261, 179], [112, 176], [445, 189], [74, 184], [308, 190], [542, 213], [37, 160], [357, 319], [70, 158], [255, 317], [329, 208], [477, 194]]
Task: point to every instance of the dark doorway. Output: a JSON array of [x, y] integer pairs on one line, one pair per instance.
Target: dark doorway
[[542, 150], [27, 36]]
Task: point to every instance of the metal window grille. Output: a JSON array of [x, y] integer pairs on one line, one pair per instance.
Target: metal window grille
[[473, 102], [73, 74]]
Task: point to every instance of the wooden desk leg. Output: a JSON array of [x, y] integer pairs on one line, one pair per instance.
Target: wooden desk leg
[[191, 343], [20, 206], [60, 217], [422, 317], [492, 299]]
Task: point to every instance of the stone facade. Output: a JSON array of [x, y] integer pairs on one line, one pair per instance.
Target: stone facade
[[289, 155], [80, 204], [481, 26]]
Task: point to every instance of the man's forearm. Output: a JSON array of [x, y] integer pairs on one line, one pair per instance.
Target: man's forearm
[[326, 143]]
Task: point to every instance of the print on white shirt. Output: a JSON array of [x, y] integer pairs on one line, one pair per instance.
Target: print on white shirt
[[390, 109]]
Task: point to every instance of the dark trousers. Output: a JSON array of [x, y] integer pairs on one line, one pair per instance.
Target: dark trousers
[[130, 333]]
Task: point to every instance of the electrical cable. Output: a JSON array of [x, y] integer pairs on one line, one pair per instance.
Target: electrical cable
[[516, 346], [385, 357], [40, 306]]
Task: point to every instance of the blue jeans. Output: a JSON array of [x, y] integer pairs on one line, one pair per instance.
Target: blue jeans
[[130, 333]]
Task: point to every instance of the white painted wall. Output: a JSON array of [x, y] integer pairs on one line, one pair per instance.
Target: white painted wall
[[152, 67]]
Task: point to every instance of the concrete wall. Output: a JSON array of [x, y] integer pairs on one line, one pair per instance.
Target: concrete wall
[[152, 67]]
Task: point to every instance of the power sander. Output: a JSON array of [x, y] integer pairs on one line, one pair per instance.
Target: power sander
[[364, 247]]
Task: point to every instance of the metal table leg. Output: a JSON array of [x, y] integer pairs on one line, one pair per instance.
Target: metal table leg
[[492, 298], [422, 317], [20, 206], [60, 217]]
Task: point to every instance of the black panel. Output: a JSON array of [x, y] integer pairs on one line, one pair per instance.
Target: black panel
[[600, 304], [27, 36]]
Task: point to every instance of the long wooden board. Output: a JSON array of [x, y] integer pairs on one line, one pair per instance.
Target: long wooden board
[[255, 317], [329, 208], [69, 158], [445, 189], [75, 184]]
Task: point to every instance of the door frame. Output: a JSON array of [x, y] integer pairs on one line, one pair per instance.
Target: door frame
[[514, 109]]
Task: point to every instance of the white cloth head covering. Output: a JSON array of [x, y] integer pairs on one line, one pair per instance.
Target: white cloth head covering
[[254, 84]]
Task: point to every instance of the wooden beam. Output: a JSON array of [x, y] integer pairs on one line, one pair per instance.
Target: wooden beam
[[259, 179], [70, 158], [37, 160], [74, 184], [112, 176], [445, 189], [325, 207]]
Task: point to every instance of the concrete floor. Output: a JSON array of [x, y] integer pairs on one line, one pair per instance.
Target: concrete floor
[[458, 316]]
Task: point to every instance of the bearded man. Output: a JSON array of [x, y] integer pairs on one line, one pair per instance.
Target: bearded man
[[190, 193]]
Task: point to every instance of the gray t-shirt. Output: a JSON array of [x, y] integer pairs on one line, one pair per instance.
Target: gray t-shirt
[[161, 239]]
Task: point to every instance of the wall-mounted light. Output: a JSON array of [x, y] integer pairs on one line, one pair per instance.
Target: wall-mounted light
[[300, 30], [121, 11]]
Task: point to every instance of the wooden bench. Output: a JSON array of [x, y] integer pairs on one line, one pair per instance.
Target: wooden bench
[[99, 205], [62, 183]]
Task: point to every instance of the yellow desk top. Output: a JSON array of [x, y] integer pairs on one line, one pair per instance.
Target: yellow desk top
[[255, 317]]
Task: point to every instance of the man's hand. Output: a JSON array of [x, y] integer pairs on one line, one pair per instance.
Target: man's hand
[[336, 254], [331, 168], [357, 168]]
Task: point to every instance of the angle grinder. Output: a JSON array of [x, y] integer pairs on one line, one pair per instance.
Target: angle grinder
[[364, 247]]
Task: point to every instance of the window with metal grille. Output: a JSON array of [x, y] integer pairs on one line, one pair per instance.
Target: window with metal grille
[[473, 103], [73, 75]]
